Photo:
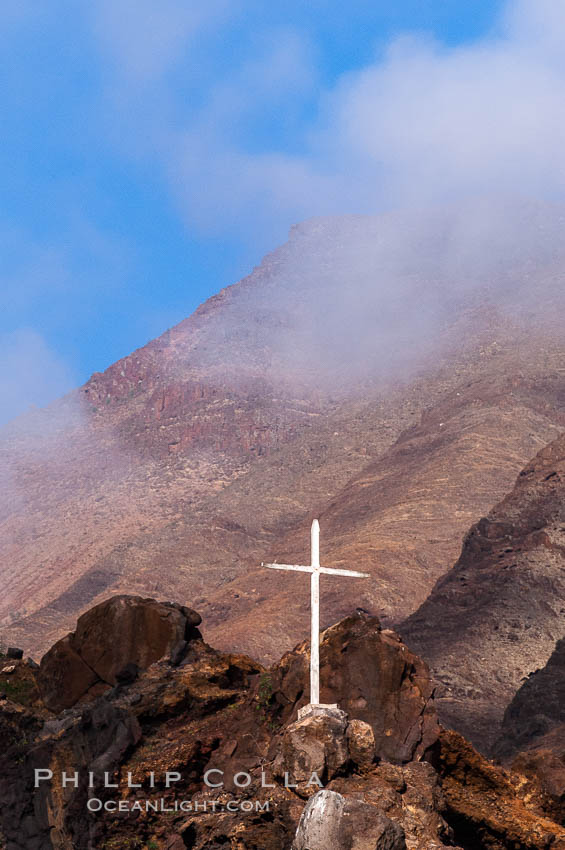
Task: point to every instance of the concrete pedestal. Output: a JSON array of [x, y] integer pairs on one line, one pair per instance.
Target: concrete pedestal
[[321, 710]]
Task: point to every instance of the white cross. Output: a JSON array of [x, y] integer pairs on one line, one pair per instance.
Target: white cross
[[315, 569]]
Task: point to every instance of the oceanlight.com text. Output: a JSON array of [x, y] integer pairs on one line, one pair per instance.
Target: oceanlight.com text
[[161, 805]]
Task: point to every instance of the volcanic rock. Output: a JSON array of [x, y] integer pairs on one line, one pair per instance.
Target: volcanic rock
[[330, 820], [111, 643], [361, 743], [542, 763], [409, 795], [15, 653], [374, 678], [315, 746], [63, 676], [226, 713], [488, 806]]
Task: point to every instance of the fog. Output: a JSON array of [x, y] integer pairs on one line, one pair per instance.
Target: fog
[[378, 298], [422, 124]]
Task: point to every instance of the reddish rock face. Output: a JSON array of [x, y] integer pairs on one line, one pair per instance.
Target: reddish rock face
[[63, 676], [373, 677], [499, 807], [124, 633]]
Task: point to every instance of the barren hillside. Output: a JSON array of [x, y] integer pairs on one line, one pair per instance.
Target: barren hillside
[[381, 373]]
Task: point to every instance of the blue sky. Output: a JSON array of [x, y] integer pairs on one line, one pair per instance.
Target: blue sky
[[152, 152]]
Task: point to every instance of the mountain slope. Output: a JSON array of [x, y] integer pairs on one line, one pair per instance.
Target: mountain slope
[[370, 371], [495, 617]]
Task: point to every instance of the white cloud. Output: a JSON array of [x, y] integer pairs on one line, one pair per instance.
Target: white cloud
[[425, 123], [30, 371]]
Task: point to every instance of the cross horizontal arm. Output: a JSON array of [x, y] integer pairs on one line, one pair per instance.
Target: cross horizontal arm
[[330, 571], [289, 567]]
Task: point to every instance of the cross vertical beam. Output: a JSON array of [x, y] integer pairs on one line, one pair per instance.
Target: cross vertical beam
[[315, 612]]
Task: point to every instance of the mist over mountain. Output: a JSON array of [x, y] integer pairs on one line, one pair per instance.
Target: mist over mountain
[[390, 374]]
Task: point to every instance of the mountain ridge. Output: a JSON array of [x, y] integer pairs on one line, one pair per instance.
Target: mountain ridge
[[211, 448]]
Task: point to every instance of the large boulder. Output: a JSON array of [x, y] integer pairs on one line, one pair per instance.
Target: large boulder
[[332, 821], [63, 676], [315, 746], [128, 629], [322, 745], [123, 633], [373, 677]]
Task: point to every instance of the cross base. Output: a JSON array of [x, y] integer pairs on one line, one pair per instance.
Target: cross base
[[320, 710]]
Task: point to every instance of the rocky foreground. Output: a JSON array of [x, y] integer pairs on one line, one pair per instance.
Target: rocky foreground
[[137, 694]]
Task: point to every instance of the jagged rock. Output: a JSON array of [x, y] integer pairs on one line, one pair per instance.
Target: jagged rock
[[489, 802], [410, 795], [372, 676], [35, 819], [14, 653], [543, 764], [217, 711], [361, 743], [333, 822], [315, 746], [119, 634]]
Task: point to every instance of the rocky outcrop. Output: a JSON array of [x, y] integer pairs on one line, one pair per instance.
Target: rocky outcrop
[[409, 795], [543, 765], [494, 619], [490, 807], [111, 642], [374, 678], [321, 746], [331, 820], [158, 734], [315, 746]]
